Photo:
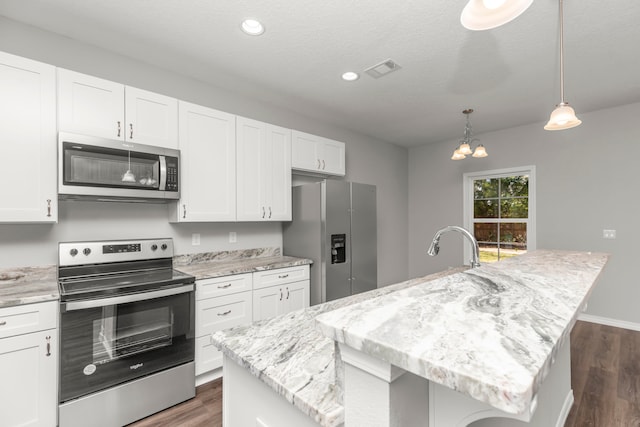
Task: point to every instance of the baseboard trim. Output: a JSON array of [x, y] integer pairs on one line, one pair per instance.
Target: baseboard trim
[[610, 322], [566, 408]]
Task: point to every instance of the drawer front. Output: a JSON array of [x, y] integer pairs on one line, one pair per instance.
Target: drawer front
[[263, 279], [24, 319], [208, 357], [214, 314], [209, 288]]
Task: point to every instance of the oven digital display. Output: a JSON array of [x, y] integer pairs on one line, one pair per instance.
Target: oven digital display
[[117, 249]]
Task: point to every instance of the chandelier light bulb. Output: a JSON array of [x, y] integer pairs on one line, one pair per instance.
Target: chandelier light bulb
[[465, 149], [480, 151], [457, 155]]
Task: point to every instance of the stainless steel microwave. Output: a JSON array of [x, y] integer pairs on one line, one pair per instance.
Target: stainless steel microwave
[[91, 168]]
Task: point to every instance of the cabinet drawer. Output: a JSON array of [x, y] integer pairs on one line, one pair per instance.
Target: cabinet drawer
[[208, 357], [214, 314], [215, 287], [263, 279], [24, 319]]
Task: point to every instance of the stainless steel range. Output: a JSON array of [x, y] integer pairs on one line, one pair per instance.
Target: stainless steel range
[[126, 331]]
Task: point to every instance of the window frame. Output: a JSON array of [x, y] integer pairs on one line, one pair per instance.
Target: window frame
[[468, 211]]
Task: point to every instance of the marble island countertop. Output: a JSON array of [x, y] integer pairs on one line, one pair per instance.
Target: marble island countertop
[[290, 355], [491, 333]]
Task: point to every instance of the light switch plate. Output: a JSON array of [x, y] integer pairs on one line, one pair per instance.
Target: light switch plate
[[195, 239], [233, 237], [608, 234]]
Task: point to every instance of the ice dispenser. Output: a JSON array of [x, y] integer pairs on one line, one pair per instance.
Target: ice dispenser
[[338, 248]]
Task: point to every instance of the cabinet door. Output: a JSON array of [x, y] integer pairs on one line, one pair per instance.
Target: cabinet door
[[28, 390], [151, 118], [28, 147], [90, 106], [268, 302], [251, 151], [332, 157], [304, 154], [279, 179], [296, 296], [208, 165]]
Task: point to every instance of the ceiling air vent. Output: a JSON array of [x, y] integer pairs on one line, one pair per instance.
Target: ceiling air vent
[[382, 69]]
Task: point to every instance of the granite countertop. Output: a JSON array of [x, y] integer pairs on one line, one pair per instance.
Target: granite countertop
[[289, 354], [217, 264], [28, 285], [491, 333]]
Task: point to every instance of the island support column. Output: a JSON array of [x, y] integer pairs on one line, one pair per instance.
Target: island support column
[[378, 394]]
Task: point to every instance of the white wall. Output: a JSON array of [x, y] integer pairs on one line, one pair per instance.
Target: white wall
[[586, 182], [368, 160]]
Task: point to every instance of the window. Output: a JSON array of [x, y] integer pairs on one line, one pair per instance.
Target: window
[[499, 209]]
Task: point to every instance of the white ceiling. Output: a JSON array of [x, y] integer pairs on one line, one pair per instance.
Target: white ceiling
[[509, 75]]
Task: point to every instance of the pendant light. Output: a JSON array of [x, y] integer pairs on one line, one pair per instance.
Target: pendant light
[[464, 149], [486, 14], [563, 117]]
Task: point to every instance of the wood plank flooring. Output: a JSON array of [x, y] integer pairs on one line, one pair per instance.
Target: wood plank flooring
[[605, 376]]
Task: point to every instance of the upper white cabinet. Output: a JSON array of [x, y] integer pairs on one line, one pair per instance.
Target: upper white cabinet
[[28, 147], [93, 106], [207, 145], [318, 155], [263, 171]]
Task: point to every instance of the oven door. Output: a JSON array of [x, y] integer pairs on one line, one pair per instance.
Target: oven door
[[105, 342]]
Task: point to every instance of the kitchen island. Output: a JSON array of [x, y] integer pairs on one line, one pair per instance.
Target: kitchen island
[[486, 339]]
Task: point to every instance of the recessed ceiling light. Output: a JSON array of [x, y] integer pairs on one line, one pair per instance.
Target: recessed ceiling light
[[350, 76], [252, 27]]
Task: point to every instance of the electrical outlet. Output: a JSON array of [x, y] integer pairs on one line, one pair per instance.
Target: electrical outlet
[[608, 234], [195, 239], [233, 237]]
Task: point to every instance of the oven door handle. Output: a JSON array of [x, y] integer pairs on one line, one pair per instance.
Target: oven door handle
[[103, 302]]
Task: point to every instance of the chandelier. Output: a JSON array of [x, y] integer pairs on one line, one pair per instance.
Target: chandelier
[[464, 149]]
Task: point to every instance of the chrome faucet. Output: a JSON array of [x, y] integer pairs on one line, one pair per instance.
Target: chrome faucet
[[475, 249]]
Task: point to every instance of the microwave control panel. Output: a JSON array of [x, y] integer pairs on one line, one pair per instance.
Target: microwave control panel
[[172, 174]]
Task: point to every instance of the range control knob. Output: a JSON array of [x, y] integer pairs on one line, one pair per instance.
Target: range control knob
[[164, 247], [73, 252], [86, 251], [154, 247]]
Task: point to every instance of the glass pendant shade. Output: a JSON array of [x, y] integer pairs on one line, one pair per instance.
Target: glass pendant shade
[[480, 15], [457, 155], [465, 149], [563, 117], [480, 151]]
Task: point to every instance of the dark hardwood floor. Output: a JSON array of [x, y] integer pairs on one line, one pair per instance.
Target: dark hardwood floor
[[605, 376]]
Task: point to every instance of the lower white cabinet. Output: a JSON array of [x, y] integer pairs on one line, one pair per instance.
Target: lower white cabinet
[[28, 365], [228, 301]]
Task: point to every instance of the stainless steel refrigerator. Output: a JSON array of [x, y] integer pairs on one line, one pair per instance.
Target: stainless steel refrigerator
[[334, 224]]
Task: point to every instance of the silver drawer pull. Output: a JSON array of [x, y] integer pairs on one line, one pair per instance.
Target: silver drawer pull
[[225, 313], [283, 276], [4, 322], [228, 285]]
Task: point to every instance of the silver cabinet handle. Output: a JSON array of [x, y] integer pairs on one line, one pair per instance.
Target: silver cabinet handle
[[184, 211], [225, 313], [228, 285], [318, 163], [4, 322], [119, 128], [280, 294], [49, 207], [263, 212], [48, 346], [287, 292], [131, 127], [269, 212], [283, 276], [323, 165]]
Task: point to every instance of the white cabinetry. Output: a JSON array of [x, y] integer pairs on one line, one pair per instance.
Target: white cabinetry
[[221, 303], [264, 171], [97, 107], [28, 147], [28, 365], [207, 145], [317, 155], [280, 291]]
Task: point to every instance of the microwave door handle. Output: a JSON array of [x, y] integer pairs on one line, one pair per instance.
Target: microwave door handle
[[163, 173], [103, 302]]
